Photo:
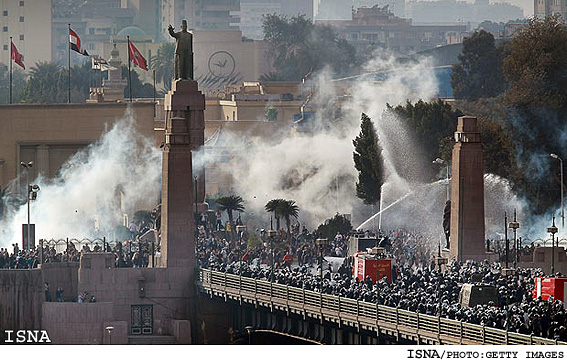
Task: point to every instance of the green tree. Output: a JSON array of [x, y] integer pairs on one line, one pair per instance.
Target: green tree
[[18, 83], [432, 125], [139, 89], [143, 219], [231, 203], [286, 210], [536, 65], [162, 63], [299, 47], [46, 84], [369, 163], [479, 71], [336, 224], [272, 207]]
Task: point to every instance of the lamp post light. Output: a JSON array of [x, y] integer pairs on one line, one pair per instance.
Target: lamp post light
[[321, 242], [552, 230], [110, 329], [440, 161], [249, 329], [271, 234], [240, 230], [27, 167], [552, 155], [515, 225], [507, 272], [378, 251]]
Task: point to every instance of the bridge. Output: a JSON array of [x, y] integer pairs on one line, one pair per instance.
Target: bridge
[[282, 304]]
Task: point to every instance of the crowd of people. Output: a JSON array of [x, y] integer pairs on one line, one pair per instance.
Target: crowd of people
[[418, 285]]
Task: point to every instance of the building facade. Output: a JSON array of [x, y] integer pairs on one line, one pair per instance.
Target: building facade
[[28, 22]]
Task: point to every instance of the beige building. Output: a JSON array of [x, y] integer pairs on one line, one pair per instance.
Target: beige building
[[222, 58], [28, 22], [49, 134]]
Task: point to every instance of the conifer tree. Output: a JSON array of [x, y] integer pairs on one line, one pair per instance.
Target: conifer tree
[[369, 163]]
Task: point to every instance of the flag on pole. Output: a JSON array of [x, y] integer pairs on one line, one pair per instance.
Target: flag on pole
[[101, 64], [75, 43], [17, 57], [136, 57]]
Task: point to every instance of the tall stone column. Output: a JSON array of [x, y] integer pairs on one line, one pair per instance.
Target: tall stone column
[[467, 193], [184, 129]]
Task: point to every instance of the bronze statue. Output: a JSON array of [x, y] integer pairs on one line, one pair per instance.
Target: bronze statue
[[183, 66]]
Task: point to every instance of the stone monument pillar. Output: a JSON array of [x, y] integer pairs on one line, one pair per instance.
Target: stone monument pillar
[[184, 133], [467, 193]]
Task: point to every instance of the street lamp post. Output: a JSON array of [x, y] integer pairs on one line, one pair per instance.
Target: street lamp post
[[27, 166], [379, 251], [110, 329], [506, 243], [552, 230], [240, 230], [552, 155], [514, 225], [271, 234], [321, 243], [440, 161]]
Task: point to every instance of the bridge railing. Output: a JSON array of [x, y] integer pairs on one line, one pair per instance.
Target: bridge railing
[[358, 313]]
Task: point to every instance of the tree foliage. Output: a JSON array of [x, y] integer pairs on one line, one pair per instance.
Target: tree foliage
[[432, 125], [230, 204], [162, 63], [479, 71], [18, 83], [336, 224], [139, 89], [536, 66], [286, 210], [299, 47], [369, 163], [48, 83]]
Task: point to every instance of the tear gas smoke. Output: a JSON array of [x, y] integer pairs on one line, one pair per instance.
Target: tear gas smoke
[[118, 174]]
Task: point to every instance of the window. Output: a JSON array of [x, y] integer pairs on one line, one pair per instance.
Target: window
[[5, 29], [21, 36], [21, 3], [5, 47], [21, 19], [5, 12]]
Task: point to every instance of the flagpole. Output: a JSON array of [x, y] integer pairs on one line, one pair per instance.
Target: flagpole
[[11, 61], [154, 73], [129, 75], [69, 65]]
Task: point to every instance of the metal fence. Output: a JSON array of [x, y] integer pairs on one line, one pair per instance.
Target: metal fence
[[359, 314]]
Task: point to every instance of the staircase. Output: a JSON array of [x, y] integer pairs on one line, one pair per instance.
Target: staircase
[[151, 340]]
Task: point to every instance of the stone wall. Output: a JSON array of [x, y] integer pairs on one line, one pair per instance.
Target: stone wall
[[73, 323], [21, 295]]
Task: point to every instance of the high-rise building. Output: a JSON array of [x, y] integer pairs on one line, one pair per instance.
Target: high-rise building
[[251, 12], [29, 24], [543, 8], [200, 14]]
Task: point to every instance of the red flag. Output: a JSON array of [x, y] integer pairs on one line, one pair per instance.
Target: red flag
[[75, 43], [136, 57], [17, 57]]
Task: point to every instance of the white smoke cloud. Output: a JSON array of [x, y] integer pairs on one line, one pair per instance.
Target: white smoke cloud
[[89, 186]]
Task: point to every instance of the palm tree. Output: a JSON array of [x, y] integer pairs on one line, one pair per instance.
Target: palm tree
[[162, 63], [272, 206], [286, 210], [230, 204]]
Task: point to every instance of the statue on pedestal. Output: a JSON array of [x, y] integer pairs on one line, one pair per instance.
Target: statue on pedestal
[[183, 65]]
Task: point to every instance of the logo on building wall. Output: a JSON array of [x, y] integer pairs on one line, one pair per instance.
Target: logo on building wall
[[221, 71]]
